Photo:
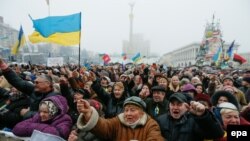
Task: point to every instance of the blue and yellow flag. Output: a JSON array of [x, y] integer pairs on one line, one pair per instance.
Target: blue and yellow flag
[[217, 56], [229, 53], [136, 58], [64, 30], [20, 42]]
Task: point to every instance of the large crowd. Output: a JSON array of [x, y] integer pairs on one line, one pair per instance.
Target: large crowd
[[121, 103]]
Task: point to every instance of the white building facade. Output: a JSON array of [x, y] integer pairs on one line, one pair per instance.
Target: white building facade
[[186, 56]]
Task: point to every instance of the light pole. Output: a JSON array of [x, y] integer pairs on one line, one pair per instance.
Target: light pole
[[131, 18]]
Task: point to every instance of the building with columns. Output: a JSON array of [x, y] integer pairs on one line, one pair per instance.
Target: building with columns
[[186, 55]]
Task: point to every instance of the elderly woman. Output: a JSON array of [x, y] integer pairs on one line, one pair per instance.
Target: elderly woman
[[52, 118], [114, 101], [132, 124], [228, 114]]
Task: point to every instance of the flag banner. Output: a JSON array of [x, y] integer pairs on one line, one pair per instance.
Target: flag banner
[[53, 24], [239, 59], [106, 58], [20, 42], [124, 56], [136, 58], [63, 30], [65, 39], [229, 52], [217, 56]]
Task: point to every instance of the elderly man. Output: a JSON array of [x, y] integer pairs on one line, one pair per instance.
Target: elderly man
[[186, 122], [42, 88], [132, 124]]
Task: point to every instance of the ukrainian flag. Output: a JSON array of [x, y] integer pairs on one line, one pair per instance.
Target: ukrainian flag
[[20, 42], [136, 58], [64, 30], [216, 58]]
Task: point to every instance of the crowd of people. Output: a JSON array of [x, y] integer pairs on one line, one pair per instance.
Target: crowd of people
[[115, 102]]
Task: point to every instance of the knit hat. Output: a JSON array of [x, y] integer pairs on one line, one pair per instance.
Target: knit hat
[[184, 81], [227, 77], [224, 105], [51, 107], [247, 79], [96, 104], [228, 95], [135, 101], [228, 105], [189, 87]]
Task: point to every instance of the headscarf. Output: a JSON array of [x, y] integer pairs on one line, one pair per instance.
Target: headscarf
[[51, 107]]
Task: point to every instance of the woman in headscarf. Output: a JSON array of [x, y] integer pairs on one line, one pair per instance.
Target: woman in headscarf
[[52, 118]]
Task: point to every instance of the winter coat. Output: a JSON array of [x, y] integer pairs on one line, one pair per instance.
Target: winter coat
[[116, 129], [113, 106], [26, 88], [60, 125], [190, 127], [151, 107], [10, 115]]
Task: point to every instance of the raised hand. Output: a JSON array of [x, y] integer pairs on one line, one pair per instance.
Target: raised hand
[[196, 108], [83, 107]]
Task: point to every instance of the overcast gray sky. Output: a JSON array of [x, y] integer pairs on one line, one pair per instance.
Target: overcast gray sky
[[167, 24]]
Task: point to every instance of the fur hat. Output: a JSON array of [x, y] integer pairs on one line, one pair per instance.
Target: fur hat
[[228, 95]]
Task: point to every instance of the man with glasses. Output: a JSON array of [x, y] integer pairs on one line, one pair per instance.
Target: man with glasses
[[42, 88]]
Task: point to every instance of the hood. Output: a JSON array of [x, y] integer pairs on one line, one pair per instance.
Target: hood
[[60, 102]]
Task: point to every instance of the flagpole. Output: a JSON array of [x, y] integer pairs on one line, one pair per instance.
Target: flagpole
[[47, 1], [80, 41]]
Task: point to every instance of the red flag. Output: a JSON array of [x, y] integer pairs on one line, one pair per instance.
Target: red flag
[[106, 58], [239, 58]]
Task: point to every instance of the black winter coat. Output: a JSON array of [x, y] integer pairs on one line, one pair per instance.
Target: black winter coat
[[10, 115], [113, 106], [190, 127], [27, 88]]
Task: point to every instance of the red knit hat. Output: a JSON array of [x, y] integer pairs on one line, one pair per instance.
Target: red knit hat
[[203, 97]]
